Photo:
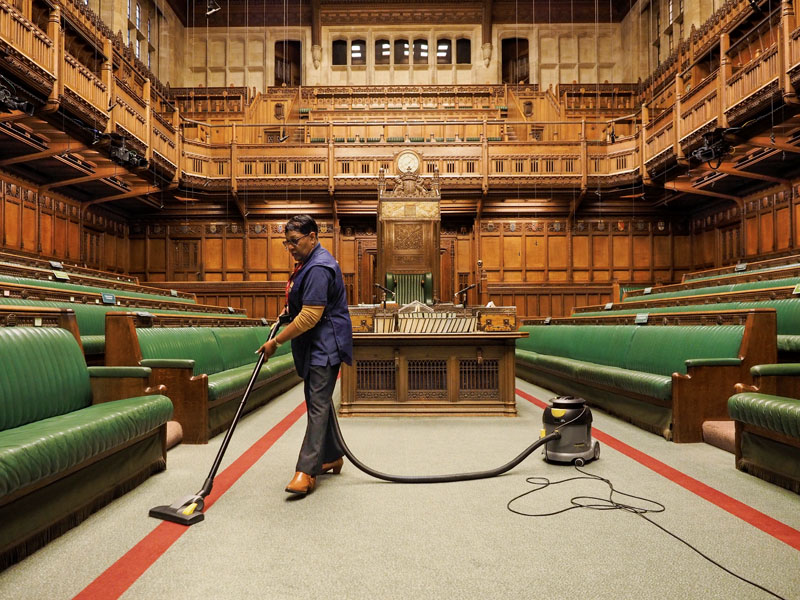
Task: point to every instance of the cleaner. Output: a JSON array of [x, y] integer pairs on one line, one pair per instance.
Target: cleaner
[[189, 509]]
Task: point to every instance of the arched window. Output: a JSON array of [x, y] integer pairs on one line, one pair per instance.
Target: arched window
[[444, 52], [401, 52], [383, 52], [339, 52], [463, 51], [358, 52], [420, 52]]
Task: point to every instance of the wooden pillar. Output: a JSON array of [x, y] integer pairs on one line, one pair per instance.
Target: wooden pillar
[[725, 73], [787, 26]]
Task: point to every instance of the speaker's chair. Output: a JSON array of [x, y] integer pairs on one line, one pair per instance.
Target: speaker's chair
[[408, 287]]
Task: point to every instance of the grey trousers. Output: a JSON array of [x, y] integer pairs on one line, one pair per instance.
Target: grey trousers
[[320, 444]]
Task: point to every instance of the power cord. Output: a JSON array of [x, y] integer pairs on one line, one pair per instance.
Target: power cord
[[596, 503]]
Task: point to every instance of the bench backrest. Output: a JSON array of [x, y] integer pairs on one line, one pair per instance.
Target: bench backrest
[[718, 289], [214, 349], [195, 343], [661, 350], [44, 375], [90, 288], [787, 310], [237, 345]]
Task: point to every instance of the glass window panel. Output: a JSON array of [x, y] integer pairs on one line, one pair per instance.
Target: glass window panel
[[444, 52], [358, 52], [383, 52], [401, 52], [339, 52]]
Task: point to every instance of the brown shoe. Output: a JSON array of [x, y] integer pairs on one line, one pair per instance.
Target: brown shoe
[[301, 483], [335, 466]]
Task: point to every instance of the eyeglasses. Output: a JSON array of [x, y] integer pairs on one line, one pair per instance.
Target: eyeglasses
[[293, 243]]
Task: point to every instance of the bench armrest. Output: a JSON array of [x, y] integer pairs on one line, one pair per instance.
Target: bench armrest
[[116, 383], [713, 362], [775, 370], [168, 363], [120, 372]]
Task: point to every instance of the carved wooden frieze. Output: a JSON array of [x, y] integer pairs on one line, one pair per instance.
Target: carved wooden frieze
[[185, 230], [257, 229], [408, 236], [428, 211]]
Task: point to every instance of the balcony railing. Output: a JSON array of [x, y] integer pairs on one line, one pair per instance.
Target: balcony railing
[[660, 134], [700, 107], [84, 83], [757, 74], [23, 35], [130, 114], [794, 50]]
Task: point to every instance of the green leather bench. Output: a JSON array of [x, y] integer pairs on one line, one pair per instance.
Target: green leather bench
[[92, 320], [70, 439], [664, 378], [767, 417], [787, 309], [63, 285], [714, 289], [206, 369]]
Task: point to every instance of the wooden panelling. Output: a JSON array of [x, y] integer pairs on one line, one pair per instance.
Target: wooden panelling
[[257, 256], [234, 256], [621, 251], [46, 235], [751, 236], [580, 252], [512, 253], [11, 231], [642, 255], [783, 228], [767, 232], [557, 252], [29, 228]]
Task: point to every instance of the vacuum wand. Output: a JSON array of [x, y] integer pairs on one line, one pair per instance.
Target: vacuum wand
[[189, 509]]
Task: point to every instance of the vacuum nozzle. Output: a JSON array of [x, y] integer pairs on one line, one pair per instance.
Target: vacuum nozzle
[[186, 511]]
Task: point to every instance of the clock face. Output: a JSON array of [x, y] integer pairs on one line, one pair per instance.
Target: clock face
[[407, 161]]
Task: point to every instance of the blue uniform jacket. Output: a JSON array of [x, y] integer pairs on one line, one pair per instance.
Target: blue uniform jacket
[[330, 342]]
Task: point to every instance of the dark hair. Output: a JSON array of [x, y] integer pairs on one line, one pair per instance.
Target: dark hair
[[305, 224]]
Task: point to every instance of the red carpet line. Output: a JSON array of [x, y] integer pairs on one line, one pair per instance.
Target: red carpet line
[[765, 523], [116, 580]]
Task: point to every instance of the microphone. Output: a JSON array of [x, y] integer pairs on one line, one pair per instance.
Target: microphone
[[385, 289], [466, 289]]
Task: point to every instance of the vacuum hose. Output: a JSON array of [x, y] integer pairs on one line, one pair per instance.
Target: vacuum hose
[[440, 478]]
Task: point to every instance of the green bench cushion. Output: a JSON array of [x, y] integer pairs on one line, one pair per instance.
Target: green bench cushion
[[648, 384], [776, 413], [44, 375], [48, 447], [234, 381]]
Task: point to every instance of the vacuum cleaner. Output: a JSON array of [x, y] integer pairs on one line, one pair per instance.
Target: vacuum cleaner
[[574, 422], [573, 419]]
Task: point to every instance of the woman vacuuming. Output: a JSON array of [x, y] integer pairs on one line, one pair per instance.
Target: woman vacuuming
[[322, 338]]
